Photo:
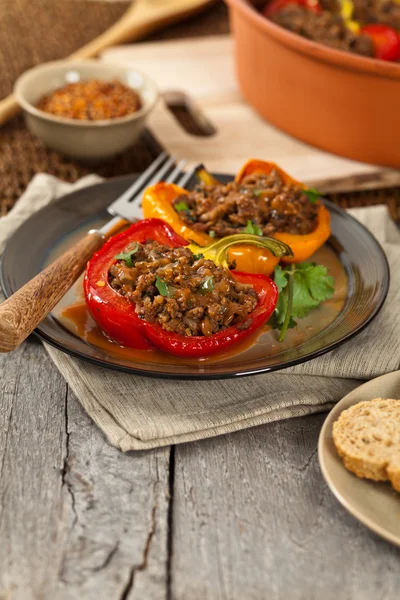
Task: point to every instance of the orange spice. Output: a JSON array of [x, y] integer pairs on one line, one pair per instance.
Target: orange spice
[[92, 100]]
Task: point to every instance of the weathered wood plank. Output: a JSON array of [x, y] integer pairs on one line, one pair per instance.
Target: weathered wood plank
[[78, 519], [251, 516], [117, 514], [253, 519], [32, 441]]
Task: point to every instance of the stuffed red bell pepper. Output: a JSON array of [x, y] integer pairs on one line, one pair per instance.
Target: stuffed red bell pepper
[[145, 288]]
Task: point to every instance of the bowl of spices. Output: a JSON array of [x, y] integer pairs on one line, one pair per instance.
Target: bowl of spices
[[86, 109]]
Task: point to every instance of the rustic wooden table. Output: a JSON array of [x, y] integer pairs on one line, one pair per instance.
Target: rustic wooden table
[[241, 517], [244, 516]]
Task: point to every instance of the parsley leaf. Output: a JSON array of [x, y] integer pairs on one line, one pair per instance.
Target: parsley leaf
[[168, 291], [278, 316], [312, 285], [276, 322], [180, 206], [211, 234], [320, 284], [280, 278], [127, 256], [198, 256], [207, 285], [313, 195], [302, 287], [253, 229]]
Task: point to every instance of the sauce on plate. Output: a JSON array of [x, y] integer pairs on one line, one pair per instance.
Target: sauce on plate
[[73, 314]]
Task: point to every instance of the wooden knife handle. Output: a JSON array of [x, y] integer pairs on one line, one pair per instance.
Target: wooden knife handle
[[9, 108], [23, 311]]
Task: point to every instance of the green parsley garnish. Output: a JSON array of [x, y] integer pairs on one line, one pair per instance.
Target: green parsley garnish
[[253, 229], [181, 206], [166, 290], [207, 285], [211, 234], [127, 256], [313, 195], [258, 193], [301, 288], [198, 256]]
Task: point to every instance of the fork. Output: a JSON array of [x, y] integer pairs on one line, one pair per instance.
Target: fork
[[28, 306]]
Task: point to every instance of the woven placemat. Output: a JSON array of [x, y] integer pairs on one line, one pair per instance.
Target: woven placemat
[[22, 156], [389, 196], [34, 31]]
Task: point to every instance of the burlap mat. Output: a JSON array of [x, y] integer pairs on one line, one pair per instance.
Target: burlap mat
[[136, 412], [35, 31]]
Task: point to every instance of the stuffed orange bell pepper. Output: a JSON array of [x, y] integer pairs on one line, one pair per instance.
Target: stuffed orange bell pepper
[[263, 200]]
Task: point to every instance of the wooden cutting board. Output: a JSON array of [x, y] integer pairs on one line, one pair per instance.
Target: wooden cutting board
[[204, 69]]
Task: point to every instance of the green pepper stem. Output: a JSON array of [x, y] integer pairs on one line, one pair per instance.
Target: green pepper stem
[[205, 177], [218, 251], [289, 305]]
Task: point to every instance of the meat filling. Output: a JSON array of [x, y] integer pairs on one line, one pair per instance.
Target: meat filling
[[326, 28], [181, 291], [329, 28], [261, 204], [386, 12]]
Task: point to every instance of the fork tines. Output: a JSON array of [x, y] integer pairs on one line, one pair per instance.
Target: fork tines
[[164, 168]]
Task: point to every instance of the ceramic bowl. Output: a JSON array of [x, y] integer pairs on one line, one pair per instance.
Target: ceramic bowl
[[340, 102], [374, 503], [85, 140]]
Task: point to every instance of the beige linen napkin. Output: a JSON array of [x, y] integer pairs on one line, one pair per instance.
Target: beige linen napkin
[[136, 412]]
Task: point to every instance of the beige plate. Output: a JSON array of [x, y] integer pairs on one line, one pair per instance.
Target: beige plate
[[376, 505]]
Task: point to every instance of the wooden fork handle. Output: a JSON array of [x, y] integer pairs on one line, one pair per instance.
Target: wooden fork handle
[[24, 310]]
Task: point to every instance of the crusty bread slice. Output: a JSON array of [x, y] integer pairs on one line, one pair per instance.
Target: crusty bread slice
[[367, 437]]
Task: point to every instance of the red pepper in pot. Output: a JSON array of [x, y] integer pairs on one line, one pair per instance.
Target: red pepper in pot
[[385, 39], [277, 5]]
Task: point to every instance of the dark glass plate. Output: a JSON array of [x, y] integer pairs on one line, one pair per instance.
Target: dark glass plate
[[355, 250]]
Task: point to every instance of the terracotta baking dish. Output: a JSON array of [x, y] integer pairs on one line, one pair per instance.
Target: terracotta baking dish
[[340, 102]]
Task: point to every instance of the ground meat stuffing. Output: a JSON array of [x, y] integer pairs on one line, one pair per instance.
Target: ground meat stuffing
[[386, 12], [326, 28], [181, 291], [261, 204]]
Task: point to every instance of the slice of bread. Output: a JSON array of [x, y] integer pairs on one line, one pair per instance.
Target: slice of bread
[[367, 437]]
